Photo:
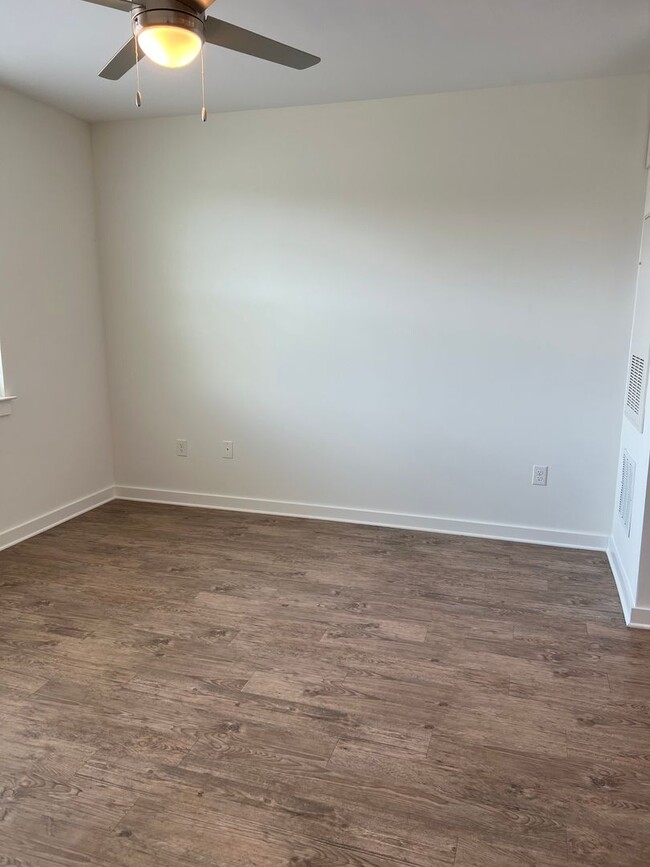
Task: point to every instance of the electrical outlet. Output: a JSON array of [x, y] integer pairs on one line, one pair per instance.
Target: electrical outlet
[[540, 475], [226, 451], [181, 448]]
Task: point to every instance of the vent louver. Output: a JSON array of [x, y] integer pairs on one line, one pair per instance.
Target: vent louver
[[626, 491], [635, 395], [635, 384]]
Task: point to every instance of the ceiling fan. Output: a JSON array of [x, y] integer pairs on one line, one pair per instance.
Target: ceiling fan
[[172, 33]]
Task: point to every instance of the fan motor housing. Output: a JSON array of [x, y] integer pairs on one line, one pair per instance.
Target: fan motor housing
[[172, 17]]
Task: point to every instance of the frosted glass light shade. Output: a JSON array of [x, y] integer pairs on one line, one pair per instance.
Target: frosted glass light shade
[[168, 45]]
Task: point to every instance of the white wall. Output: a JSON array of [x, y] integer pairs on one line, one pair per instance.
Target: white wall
[[398, 305], [55, 447]]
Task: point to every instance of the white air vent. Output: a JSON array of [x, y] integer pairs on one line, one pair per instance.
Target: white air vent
[[636, 388], [635, 384], [626, 491]]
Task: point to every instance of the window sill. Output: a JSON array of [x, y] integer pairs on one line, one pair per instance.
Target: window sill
[[5, 405]]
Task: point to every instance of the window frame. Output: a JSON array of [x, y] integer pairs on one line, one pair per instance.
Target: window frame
[[5, 399]]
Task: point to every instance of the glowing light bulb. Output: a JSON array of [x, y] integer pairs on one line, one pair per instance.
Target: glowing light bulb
[[169, 46]]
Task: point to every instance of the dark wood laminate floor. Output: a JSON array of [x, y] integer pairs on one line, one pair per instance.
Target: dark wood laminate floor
[[183, 687]]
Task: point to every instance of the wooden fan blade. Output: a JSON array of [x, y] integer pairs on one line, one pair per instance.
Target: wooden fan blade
[[124, 5], [227, 35], [121, 63]]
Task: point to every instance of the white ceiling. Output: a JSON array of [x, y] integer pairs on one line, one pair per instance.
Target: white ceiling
[[53, 49]]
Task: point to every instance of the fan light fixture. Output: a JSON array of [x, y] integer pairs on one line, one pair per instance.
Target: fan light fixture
[[169, 45], [169, 37], [172, 33]]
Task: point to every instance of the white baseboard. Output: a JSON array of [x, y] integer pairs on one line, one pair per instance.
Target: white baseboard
[[622, 581], [636, 617], [507, 532], [640, 618], [56, 516]]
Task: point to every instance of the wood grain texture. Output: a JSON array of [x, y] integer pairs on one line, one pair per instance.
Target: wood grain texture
[[199, 688]]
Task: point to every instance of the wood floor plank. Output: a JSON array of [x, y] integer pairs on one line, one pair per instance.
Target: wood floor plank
[[473, 852], [320, 801], [421, 788], [205, 837]]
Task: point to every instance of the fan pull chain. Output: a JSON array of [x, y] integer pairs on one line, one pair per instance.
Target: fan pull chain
[[138, 94], [204, 111]]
